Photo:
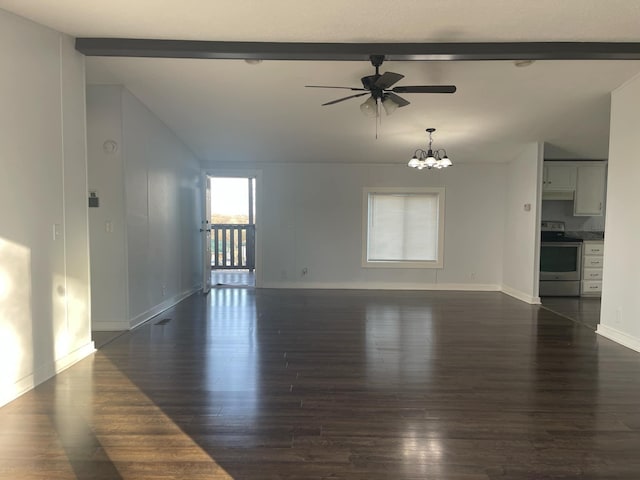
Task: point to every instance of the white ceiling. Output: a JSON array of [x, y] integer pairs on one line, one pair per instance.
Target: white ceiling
[[228, 110]]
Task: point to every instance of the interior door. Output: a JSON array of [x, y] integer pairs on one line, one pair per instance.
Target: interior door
[[206, 239]]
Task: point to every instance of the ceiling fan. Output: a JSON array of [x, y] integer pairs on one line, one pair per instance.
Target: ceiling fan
[[378, 87]]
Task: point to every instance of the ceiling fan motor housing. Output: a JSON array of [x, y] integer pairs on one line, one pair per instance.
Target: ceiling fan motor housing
[[369, 80]]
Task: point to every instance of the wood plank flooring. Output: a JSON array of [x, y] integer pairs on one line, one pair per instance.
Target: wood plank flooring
[[584, 310], [283, 384], [234, 278], [101, 338]]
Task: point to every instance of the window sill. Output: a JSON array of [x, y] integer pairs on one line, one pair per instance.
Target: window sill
[[401, 264]]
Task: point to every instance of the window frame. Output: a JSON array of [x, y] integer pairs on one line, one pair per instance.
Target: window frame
[[438, 263]]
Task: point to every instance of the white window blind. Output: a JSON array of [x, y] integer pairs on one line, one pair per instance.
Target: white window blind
[[404, 227]]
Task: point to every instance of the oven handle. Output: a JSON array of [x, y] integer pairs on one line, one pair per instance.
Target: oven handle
[[562, 244]]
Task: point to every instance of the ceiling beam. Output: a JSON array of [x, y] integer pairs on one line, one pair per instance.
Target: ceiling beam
[[130, 47]]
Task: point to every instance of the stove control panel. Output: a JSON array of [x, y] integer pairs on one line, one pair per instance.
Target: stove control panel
[[549, 226]]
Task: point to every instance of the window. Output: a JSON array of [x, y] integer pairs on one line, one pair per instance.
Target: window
[[403, 227]]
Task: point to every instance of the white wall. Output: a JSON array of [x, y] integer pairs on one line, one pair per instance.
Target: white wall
[[106, 173], [311, 216], [150, 192], [163, 213], [520, 272], [620, 314], [44, 280]]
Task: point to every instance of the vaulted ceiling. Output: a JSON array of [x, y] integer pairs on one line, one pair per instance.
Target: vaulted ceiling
[[229, 110]]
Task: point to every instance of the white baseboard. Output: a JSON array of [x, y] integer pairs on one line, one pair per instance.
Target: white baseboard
[[161, 307], [44, 373], [617, 336], [525, 297], [114, 326], [471, 287]]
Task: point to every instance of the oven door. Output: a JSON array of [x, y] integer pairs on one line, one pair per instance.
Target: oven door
[[560, 261]]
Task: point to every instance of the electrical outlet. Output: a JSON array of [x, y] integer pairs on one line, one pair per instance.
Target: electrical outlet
[[305, 271], [473, 275], [164, 290]]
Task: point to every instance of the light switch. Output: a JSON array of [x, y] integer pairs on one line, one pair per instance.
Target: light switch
[[56, 231], [527, 207], [108, 226]]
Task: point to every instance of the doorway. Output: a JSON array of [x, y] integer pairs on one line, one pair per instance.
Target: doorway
[[233, 232]]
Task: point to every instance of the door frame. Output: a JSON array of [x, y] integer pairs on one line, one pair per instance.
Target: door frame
[[205, 230], [257, 175]]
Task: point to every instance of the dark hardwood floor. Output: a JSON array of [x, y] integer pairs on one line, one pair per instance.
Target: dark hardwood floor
[[101, 338], [232, 278], [281, 384], [584, 310]]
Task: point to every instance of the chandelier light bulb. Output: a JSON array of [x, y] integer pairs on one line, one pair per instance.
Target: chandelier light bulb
[[414, 162]]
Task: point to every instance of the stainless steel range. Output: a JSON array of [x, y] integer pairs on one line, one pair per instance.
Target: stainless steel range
[[560, 262]]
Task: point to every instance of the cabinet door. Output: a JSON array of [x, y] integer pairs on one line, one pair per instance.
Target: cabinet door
[[559, 177], [590, 185]]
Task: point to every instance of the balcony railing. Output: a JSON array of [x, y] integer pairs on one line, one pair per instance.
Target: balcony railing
[[233, 246]]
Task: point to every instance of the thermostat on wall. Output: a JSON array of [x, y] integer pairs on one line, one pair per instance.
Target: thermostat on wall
[[94, 201]]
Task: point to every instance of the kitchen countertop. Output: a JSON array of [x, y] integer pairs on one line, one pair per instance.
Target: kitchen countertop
[[597, 236]]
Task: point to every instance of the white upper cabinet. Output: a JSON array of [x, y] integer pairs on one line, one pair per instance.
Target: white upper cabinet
[[584, 182], [559, 177], [590, 188]]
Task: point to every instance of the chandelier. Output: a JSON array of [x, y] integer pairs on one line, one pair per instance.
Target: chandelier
[[430, 158]]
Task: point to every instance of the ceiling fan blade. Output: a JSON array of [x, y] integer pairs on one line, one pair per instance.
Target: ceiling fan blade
[[401, 102], [345, 98], [425, 89], [343, 88], [387, 79]]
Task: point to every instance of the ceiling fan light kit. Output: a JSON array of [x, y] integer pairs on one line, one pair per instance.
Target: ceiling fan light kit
[[389, 106], [430, 158], [369, 107]]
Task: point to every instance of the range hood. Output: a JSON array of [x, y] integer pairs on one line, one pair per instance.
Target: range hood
[[557, 195]]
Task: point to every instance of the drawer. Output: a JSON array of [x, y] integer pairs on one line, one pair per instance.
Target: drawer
[[592, 274], [591, 287], [593, 248], [592, 262]]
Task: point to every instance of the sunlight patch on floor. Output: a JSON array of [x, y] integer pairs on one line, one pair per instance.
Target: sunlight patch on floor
[[136, 444]]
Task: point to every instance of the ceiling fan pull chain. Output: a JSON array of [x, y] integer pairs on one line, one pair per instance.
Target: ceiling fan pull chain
[[378, 117]]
